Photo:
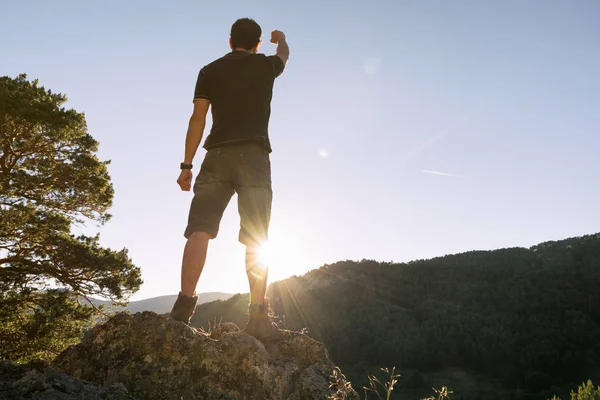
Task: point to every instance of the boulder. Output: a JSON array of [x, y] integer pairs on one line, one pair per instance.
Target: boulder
[[154, 357]]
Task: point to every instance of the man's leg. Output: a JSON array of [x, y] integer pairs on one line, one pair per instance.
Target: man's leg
[[259, 322], [212, 192], [254, 206], [194, 257], [255, 213], [258, 273]]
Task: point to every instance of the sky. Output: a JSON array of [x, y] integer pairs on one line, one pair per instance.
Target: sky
[[401, 130]]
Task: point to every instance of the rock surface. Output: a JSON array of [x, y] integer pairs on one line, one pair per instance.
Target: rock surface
[[154, 357], [41, 381]]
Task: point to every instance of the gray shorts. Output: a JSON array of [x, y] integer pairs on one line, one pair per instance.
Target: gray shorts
[[244, 169]]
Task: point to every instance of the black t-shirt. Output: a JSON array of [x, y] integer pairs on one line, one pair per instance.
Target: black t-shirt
[[239, 87]]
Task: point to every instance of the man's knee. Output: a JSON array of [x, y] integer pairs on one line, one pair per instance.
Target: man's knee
[[200, 237], [253, 249]]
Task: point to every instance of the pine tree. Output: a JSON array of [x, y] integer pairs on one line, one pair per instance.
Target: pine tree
[[50, 179]]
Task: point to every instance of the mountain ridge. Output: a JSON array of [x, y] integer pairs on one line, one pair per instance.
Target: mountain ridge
[[161, 304], [528, 318]]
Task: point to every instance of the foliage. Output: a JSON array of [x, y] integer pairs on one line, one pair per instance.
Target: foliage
[[37, 324], [235, 309], [50, 179], [586, 391], [527, 319]]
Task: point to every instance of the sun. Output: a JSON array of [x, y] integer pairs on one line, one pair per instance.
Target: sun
[[283, 256]]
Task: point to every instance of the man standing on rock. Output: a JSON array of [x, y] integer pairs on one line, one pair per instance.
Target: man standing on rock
[[239, 87]]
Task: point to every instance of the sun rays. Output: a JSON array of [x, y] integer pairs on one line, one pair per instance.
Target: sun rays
[[283, 256]]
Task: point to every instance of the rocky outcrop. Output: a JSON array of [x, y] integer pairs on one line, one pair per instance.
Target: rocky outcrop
[[41, 381], [153, 357]]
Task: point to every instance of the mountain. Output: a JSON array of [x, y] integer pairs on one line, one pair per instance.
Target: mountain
[[524, 320], [163, 304]]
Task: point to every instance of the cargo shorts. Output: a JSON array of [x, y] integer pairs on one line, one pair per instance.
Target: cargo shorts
[[244, 169]]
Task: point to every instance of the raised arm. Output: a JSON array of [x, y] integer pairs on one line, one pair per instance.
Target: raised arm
[[283, 50]]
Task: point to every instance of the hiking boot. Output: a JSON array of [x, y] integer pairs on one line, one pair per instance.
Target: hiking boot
[[259, 323], [184, 308]]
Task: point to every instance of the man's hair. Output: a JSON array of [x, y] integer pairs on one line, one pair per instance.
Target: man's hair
[[245, 33]]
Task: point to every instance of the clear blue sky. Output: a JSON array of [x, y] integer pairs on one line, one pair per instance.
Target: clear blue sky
[[502, 95]]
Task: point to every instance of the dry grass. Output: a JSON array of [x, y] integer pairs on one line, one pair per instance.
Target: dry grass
[[375, 385], [383, 390], [341, 384]]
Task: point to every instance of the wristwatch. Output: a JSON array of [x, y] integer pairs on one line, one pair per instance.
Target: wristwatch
[[186, 166]]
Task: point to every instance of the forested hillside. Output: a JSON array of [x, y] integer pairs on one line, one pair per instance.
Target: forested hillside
[[526, 319]]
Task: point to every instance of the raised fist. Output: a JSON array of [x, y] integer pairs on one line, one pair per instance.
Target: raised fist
[[277, 36]]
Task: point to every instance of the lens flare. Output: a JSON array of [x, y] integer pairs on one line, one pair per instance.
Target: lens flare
[[282, 255], [265, 255]]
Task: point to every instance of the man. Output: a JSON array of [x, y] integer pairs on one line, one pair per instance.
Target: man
[[239, 87]]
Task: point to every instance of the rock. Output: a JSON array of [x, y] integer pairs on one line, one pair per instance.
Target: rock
[[223, 328], [41, 381], [154, 357]]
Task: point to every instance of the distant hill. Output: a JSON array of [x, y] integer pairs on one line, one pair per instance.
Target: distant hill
[[233, 309], [163, 304], [527, 319]]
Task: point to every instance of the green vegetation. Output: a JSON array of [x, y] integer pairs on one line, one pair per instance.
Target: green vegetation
[[50, 179], [507, 324], [235, 309], [585, 392]]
